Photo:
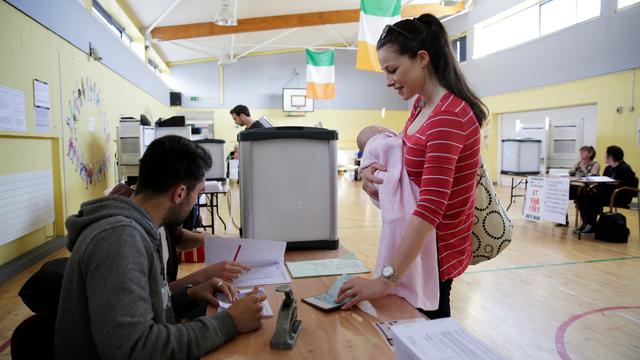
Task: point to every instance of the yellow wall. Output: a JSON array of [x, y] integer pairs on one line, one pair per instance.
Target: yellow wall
[[606, 91], [30, 51], [347, 122]]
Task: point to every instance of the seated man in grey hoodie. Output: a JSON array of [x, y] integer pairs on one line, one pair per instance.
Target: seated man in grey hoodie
[[115, 301]]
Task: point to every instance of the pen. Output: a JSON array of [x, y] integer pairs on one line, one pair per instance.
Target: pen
[[237, 252]]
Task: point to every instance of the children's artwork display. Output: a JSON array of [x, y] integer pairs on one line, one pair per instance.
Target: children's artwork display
[[91, 171]]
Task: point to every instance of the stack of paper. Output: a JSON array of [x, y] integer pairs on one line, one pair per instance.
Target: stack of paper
[[348, 264], [438, 340], [264, 257], [224, 303]]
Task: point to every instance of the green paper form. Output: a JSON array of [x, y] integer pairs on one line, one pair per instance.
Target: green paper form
[[348, 264]]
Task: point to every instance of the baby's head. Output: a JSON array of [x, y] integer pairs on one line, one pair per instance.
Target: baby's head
[[370, 131]]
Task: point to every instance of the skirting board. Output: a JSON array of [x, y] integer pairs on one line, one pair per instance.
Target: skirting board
[[30, 258]]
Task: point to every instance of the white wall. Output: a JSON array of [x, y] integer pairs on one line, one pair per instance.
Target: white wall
[[599, 46], [71, 21], [257, 82]]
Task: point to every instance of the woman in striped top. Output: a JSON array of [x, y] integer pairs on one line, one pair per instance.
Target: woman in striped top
[[441, 155]]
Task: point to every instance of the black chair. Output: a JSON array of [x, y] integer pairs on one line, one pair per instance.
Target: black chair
[[613, 206], [34, 337]]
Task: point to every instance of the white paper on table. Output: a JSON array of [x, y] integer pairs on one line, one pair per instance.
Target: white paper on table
[[43, 119], [384, 328], [264, 257], [438, 340], [224, 303], [41, 94], [597, 179]]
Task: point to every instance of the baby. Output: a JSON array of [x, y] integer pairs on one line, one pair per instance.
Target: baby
[[370, 131], [397, 195]]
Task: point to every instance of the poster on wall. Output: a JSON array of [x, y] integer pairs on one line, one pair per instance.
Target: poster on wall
[[91, 171], [12, 114], [547, 199], [42, 104]]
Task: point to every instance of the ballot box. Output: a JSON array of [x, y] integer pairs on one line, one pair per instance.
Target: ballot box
[[288, 186]]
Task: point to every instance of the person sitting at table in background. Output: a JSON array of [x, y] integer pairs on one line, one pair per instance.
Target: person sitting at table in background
[[600, 195], [115, 301], [585, 167], [397, 199]]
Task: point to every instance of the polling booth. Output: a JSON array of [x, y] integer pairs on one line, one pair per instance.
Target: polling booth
[[216, 149], [521, 156], [288, 186]]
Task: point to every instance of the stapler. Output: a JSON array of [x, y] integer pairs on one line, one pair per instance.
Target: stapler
[[288, 326]]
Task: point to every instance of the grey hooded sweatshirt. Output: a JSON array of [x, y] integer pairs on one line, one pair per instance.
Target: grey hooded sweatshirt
[[115, 302]]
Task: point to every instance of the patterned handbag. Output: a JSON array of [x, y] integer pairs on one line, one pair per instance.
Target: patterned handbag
[[492, 226]]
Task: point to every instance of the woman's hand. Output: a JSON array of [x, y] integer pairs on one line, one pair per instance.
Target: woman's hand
[[359, 289], [369, 180]]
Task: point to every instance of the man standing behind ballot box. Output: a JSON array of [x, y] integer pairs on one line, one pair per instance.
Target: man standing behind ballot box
[[115, 301], [242, 117]]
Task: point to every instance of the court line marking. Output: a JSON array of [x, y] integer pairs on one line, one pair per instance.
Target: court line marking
[[535, 266], [629, 317], [561, 348]]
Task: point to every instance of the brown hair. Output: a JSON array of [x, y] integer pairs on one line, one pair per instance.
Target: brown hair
[[426, 32], [590, 150]]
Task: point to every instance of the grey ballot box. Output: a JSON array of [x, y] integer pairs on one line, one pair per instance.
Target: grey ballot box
[[288, 186]]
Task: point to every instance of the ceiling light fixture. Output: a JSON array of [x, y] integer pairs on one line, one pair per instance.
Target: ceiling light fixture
[[225, 17]]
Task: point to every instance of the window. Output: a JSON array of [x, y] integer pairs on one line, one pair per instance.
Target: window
[[459, 46], [520, 24], [559, 14], [111, 23], [625, 3]]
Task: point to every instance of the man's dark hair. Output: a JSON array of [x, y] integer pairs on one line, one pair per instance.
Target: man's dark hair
[[616, 153], [240, 110], [171, 160]]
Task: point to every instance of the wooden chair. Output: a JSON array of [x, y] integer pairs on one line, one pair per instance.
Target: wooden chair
[[612, 204]]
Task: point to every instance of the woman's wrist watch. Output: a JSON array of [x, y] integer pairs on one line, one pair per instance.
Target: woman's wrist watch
[[389, 272]]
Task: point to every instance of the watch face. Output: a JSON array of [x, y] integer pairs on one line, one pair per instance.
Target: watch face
[[387, 271]]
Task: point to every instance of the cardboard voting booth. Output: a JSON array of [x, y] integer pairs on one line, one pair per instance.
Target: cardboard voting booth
[[288, 186]]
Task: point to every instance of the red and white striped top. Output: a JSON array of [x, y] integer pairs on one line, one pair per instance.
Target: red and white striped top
[[442, 158]]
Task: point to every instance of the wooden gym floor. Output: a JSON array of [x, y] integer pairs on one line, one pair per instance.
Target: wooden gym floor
[[547, 296]]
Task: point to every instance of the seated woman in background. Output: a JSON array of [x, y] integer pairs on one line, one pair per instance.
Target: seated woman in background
[[585, 167], [600, 195]]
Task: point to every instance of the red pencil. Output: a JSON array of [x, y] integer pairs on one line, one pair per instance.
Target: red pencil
[[237, 252]]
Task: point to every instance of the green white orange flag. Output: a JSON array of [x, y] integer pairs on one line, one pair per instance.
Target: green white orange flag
[[321, 76], [374, 16]]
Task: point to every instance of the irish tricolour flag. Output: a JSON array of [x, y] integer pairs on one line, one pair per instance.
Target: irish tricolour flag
[[321, 75], [374, 16]]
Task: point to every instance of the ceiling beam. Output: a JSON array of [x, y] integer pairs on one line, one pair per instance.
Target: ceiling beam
[[279, 22]]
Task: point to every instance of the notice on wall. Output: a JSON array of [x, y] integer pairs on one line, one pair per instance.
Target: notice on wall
[[42, 104], [12, 114], [41, 94], [43, 119], [547, 199]]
